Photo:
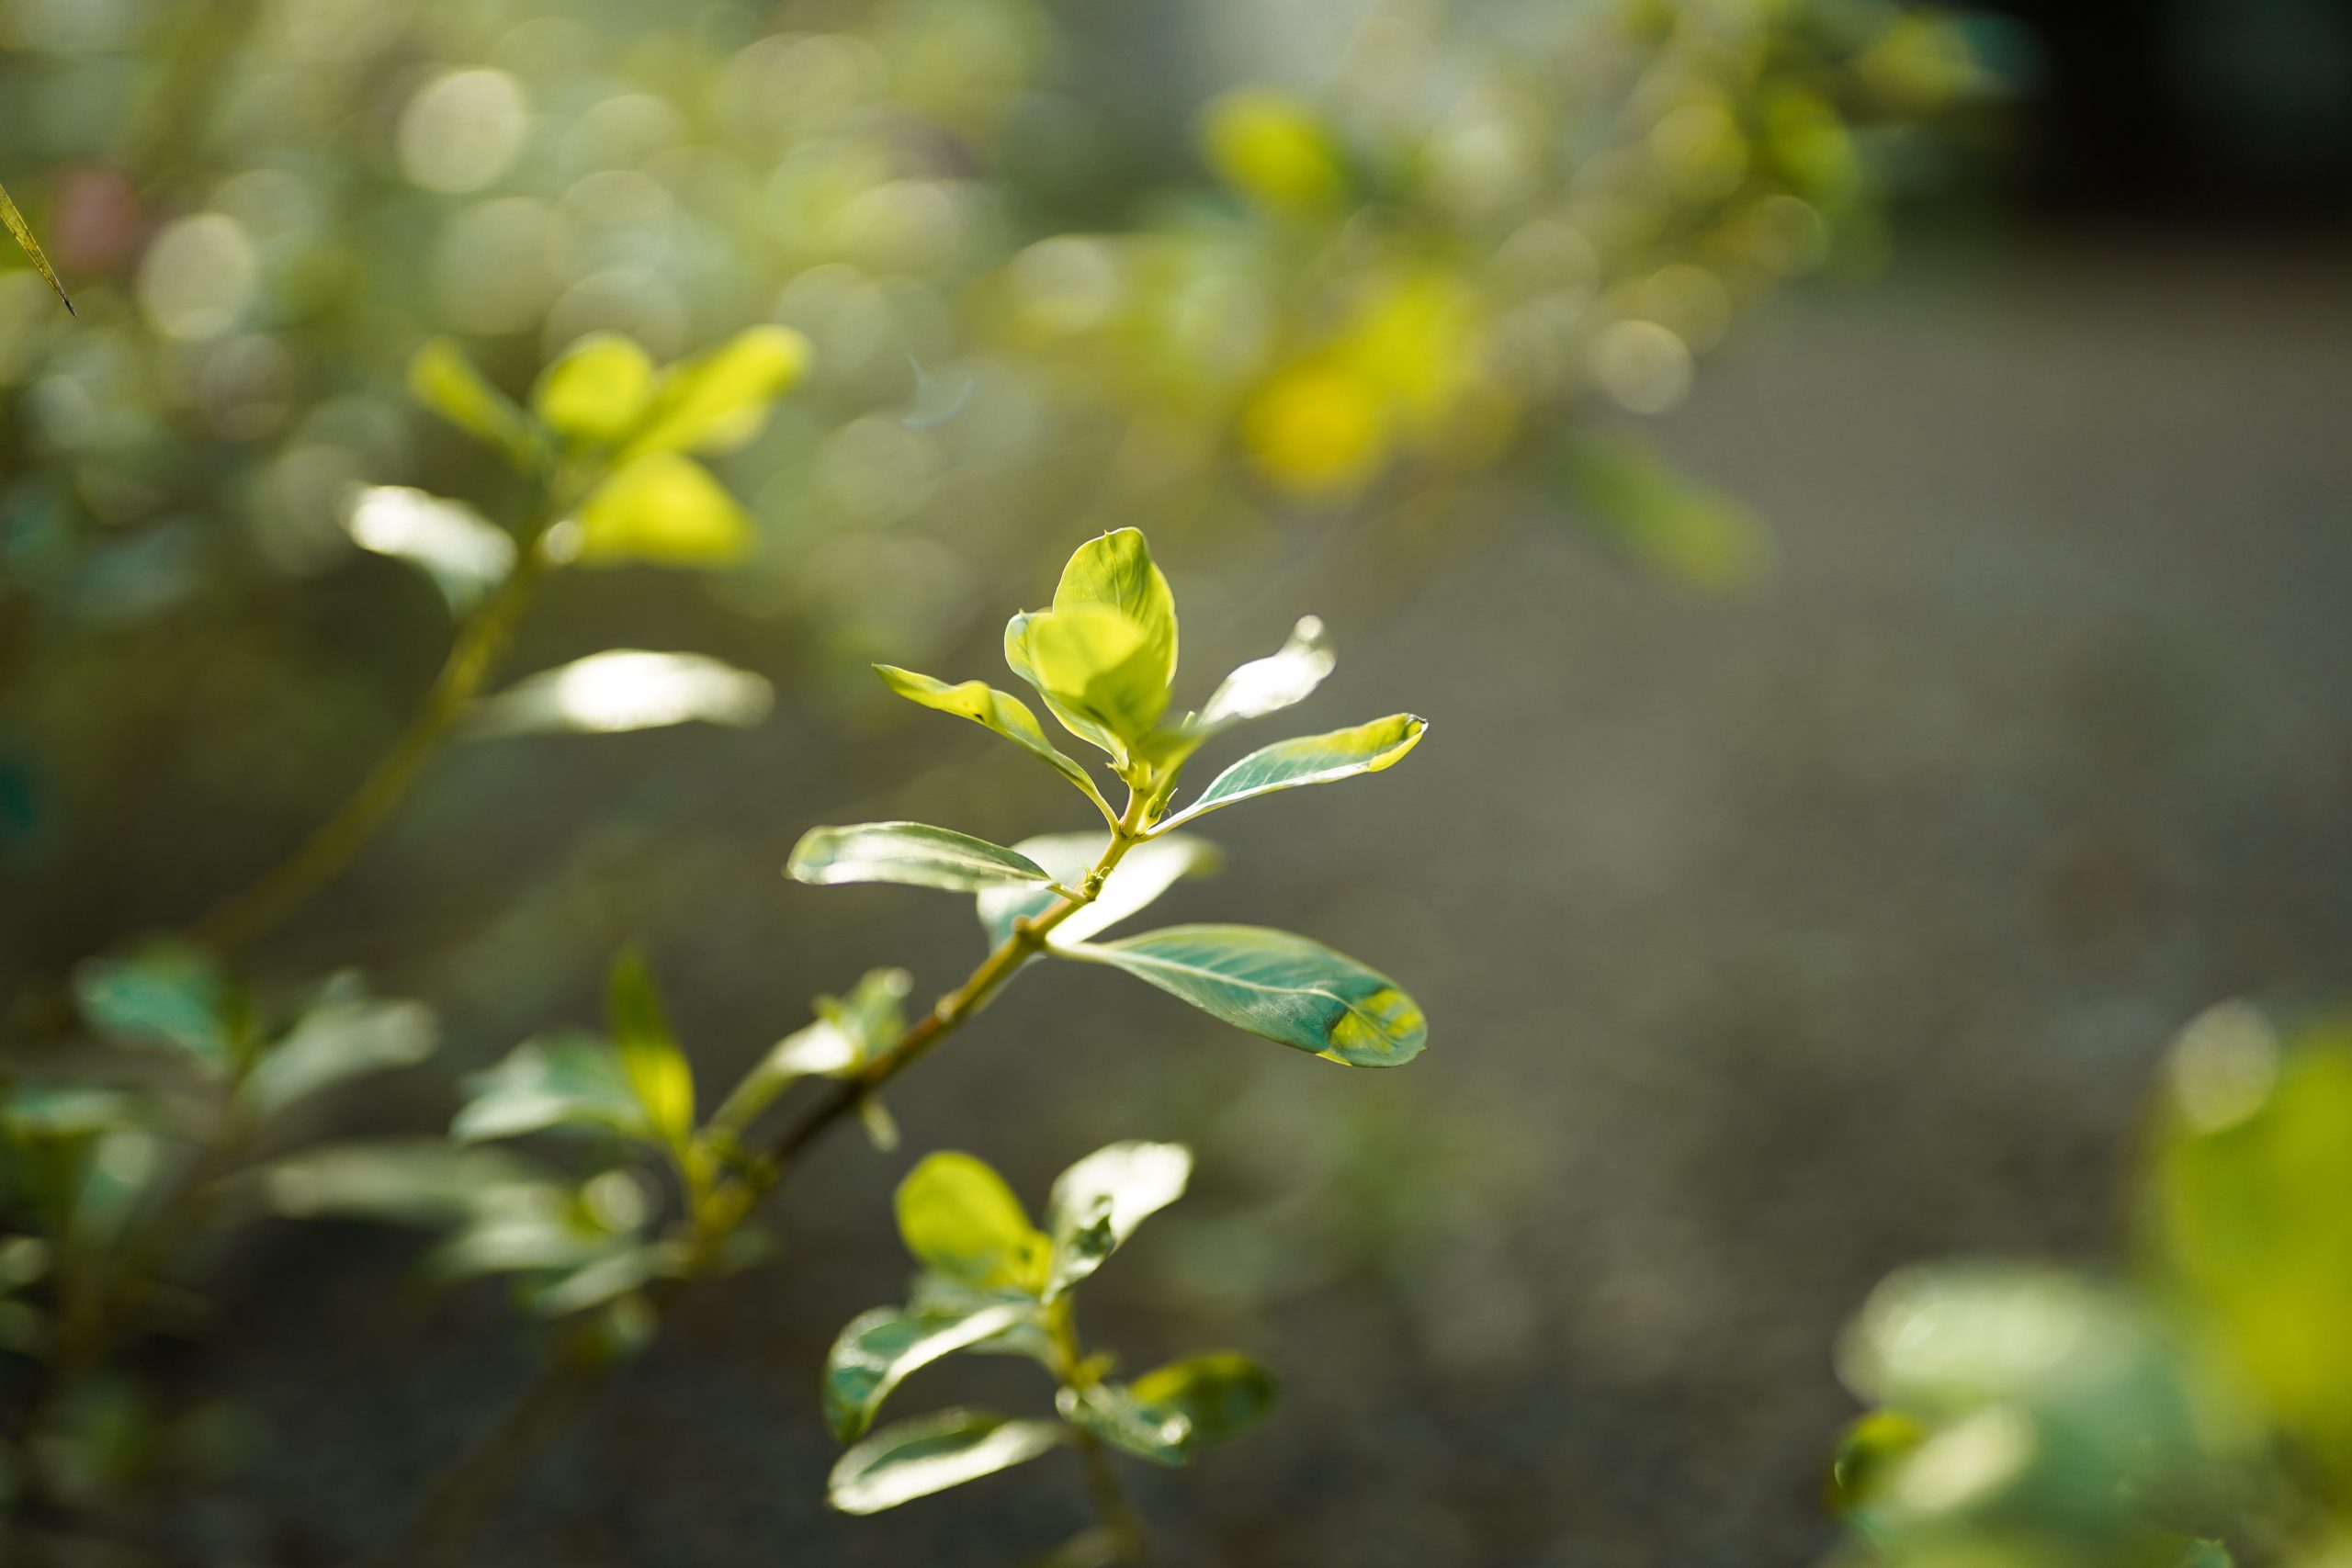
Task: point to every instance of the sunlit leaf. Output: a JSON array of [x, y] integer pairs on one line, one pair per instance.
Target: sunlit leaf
[[444, 380], [849, 1033], [650, 1060], [1281, 680], [598, 391], [464, 554], [1868, 1451], [564, 1079], [1273, 147], [718, 402], [914, 1459], [344, 1034], [410, 1181], [1145, 872], [1666, 521], [625, 689], [959, 1219], [1098, 1203], [165, 994], [880, 1348], [14, 222], [1310, 759], [625, 1269], [907, 852], [1096, 670], [665, 508], [991, 709], [1221, 1396], [1115, 572], [1277, 984], [1107, 1411]]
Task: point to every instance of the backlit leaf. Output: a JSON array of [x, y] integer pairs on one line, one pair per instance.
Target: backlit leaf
[[1098, 1203], [665, 508], [564, 1079], [1221, 1396], [444, 380], [1115, 572], [1310, 759], [650, 1060], [991, 709], [14, 222], [718, 402], [409, 1182], [880, 1348], [959, 1219], [907, 852], [346, 1033], [1277, 984], [1145, 872], [1281, 680], [461, 551], [914, 1459], [625, 689], [598, 391], [1095, 668]]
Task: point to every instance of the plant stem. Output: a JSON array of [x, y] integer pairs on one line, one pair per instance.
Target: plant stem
[[1122, 1527], [331, 847], [460, 1498]]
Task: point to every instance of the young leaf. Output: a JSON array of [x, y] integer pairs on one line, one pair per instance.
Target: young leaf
[[567, 1079], [1097, 670], [1098, 1203], [992, 709], [442, 378], [1221, 1395], [625, 689], [914, 1459], [598, 391], [880, 1348], [907, 852], [1309, 760], [1277, 984], [346, 1033], [717, 403], [656, 1068], [959, 1219], [14, 222], [668, 510], [1115, 572], [1270, 685], [1149, 870]]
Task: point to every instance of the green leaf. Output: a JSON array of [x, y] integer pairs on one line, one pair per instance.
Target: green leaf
[[1115, 572], [650, 1060], [959, 1219], [1170, 1414], [625, 689], [564, 1079], [1664, 521], [1145, 873], [882, 1347], [1221, 1396], [665, 508], [914, 1459], [1277, 984], [1095, 666], [409, 1182], [1310, 759], [1098, 1203], [37, 1108], [464, 553], [344, 1034], [165, 994], [907, 852], [1281, 680], [718, 402], [992, 709], [444, 380], [849, 1033], [598, 391], [625, 1269], [14, 222]]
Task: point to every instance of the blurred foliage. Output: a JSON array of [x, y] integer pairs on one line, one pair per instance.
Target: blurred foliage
[[2199, 1415]]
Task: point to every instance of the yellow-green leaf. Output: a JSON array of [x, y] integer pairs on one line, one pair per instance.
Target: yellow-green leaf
[[656, 1068], [442, 378], [1310, 759], [913, 854], [16, 223], [717, 403], [1277, 984], [1000, 711], [1220, 1395], [959, 1219], [667, 510], [1097, 670], [598, 391], [1115, 571]]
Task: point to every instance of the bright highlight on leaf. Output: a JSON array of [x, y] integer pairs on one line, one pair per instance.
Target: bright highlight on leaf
[[1266, 685], [907, 852], [1279, 985], [569, 1079], [461, 551], [625, 689], [14, 222], [665, 508], [880, 1348], [1149, 870], [1098, 1203], [717, 403], [1310, 759], [914, 1459]]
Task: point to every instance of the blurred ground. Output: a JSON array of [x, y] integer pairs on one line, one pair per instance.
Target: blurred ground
[[1767, 944]]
